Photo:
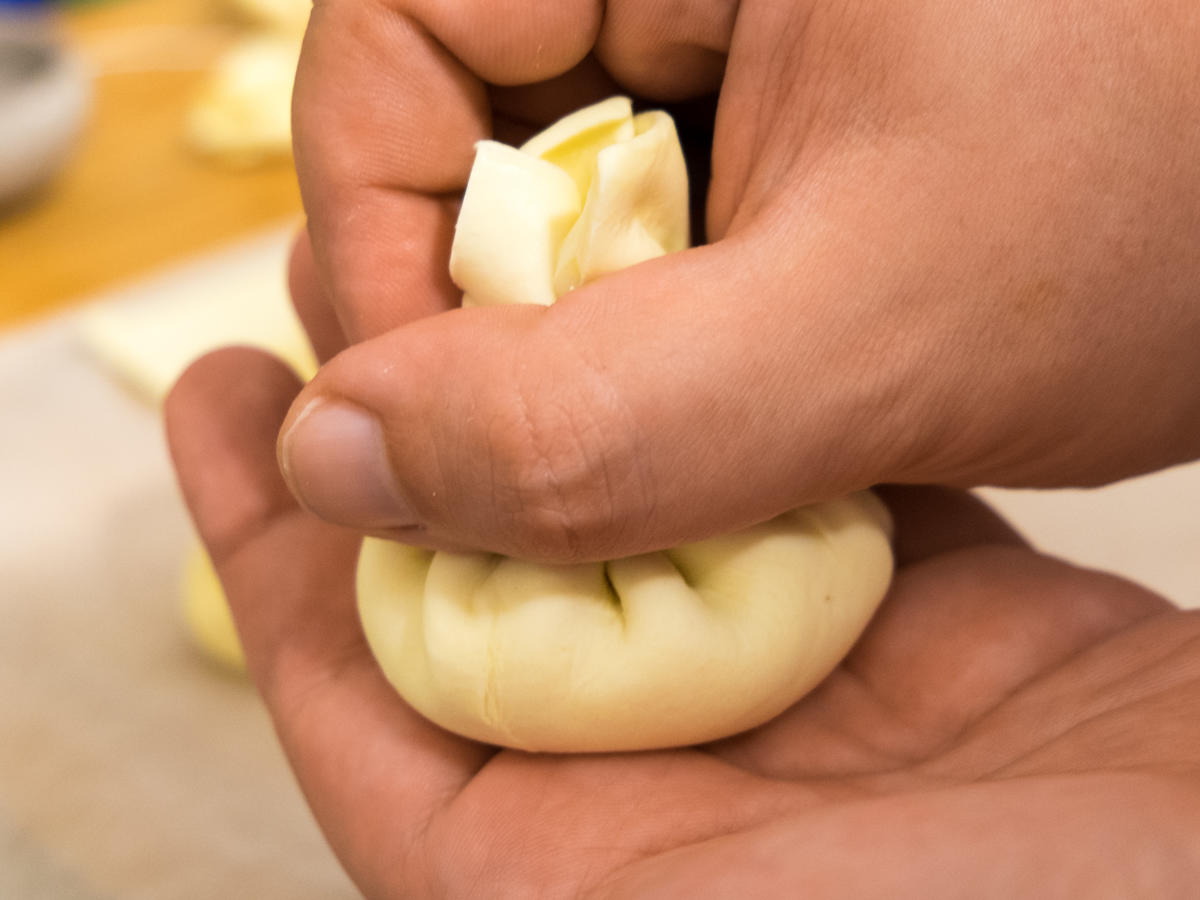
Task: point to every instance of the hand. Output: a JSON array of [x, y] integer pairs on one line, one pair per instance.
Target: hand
[[1008, 725], [952, 242]]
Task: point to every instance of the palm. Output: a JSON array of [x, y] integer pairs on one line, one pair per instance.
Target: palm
[[997, 693], [953, 695]]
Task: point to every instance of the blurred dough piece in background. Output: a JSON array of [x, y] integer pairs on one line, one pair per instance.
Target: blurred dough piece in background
[[147, 335], [209, 619], [243, 113]]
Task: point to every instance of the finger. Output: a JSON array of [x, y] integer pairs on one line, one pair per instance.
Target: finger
[[385, 120], [366, 762], [666, 50], [934, 520], [310, 301], [537, 105], [234, 492], [512, 41], [646, 411], [377, 144]]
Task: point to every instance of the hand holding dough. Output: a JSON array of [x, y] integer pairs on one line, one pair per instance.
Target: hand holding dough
[[663, 649]]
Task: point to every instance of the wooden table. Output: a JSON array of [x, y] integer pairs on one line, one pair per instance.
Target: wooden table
[[134, 196]]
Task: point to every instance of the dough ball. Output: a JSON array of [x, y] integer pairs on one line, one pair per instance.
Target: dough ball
[[665, 649]]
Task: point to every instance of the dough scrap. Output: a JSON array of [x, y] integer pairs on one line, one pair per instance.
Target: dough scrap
[[598, 191], [152, 335], [663, 649], [242, 115], [207, 614]]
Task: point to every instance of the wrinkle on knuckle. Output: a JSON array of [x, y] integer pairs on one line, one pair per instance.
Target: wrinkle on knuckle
[[550, 473], [561, 460]]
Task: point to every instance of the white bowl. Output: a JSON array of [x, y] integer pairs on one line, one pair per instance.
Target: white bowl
[[44, 93]]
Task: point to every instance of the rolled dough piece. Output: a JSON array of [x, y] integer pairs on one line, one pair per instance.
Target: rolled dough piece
[[664, 649]]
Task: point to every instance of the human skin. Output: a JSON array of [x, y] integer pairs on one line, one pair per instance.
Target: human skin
[[1008, 726], [948, 243], [951, 242]]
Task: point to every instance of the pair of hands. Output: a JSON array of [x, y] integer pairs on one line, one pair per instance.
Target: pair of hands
[[950, 244], [1007, 726]]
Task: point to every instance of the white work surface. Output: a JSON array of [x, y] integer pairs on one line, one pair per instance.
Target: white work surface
[[130, 768]]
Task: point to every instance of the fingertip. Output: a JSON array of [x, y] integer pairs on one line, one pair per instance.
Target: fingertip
[[335, 459], [289, 579], [221, 421], [512, 42]]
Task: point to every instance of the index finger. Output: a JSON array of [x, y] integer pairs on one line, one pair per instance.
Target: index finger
[[372, 769], [385, 120]]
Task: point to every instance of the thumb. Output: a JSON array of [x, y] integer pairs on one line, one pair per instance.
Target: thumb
[[687, 396]]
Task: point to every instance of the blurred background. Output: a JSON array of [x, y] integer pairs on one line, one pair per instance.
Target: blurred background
[[148, 176], [147, 199]]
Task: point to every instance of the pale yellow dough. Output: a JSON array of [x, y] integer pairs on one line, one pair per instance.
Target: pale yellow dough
[[664, 649], [243, 112], [242, 115], [660, 650], [207, 614], [149, 340], [598, 191]]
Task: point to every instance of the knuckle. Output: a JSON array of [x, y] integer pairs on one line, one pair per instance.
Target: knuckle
[[550, 476], [559, 454]]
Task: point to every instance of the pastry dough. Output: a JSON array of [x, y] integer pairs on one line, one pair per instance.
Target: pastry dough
[[209, 621], [243, 112], [663, 649], [659, 650], [150, 337], [600, 190], [242, 115]]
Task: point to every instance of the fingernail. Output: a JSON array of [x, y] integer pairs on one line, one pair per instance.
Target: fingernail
[[336, 463]]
